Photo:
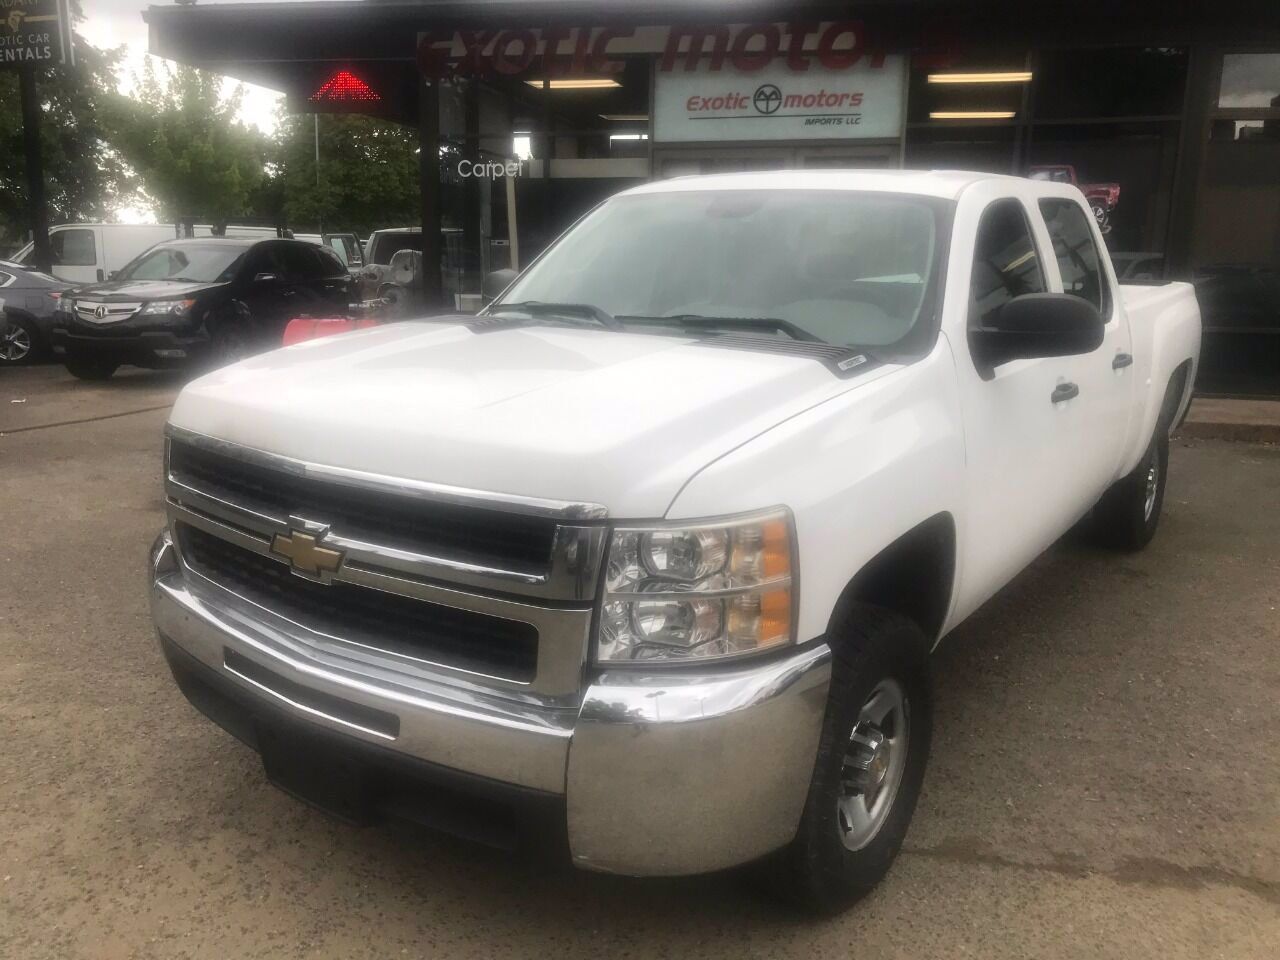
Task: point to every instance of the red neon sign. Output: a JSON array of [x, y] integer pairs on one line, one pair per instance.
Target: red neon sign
[[344, 87]]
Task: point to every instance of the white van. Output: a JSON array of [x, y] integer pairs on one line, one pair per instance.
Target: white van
[[90, 252]]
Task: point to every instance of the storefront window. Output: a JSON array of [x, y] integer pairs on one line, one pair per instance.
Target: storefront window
[[1250, 80], [1109, 82]]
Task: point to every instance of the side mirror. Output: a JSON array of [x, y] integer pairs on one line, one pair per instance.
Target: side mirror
[[266, 277], [111, 275], [496, 282], [1038, 325]]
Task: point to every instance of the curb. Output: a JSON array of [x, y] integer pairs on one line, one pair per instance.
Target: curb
[[1245, 432]]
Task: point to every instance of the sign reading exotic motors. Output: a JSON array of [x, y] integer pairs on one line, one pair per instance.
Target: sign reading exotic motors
[[34, 32], [863, 101]]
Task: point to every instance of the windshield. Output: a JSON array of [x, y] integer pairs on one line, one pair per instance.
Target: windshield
[[845, 267], [202, 262]]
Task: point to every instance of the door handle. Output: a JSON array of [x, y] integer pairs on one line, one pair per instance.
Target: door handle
[[1064, 391], [1121, 361]]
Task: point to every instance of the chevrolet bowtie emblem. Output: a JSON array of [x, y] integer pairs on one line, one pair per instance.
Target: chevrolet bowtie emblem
[[306, 556]]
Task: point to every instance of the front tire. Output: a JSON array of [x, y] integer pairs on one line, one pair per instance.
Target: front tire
[[870, 765], [84, 369], [1127, 515]]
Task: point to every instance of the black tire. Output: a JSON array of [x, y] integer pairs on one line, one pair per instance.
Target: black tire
[[1127, 515], [20, 341], [818, 871], [86, 369]]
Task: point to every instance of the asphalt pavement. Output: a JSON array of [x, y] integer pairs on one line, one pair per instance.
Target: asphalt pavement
[[1105, 778]]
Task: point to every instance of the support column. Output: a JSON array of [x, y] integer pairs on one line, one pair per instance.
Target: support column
[[37, 210], [471, 234], [429, 176]]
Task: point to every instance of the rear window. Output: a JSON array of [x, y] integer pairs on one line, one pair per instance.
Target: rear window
[[386, 245]]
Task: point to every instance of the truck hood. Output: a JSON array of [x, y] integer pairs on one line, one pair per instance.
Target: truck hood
[[617, 419]]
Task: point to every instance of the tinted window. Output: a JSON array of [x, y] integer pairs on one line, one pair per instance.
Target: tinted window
[[301, 261], [73, 248], [1005, 262], [333, 264], [1076, 253]]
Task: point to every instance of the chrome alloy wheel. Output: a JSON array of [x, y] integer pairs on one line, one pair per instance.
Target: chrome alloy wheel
[[1153, 486], [15, 343], [874, 761]]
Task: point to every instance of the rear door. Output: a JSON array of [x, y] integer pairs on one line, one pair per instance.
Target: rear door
[[1105, 376], [77, 254], [1020, 457]]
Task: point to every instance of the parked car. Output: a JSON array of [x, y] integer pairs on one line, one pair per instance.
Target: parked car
[[652, 554], [377, 279], [206, 300], [1102, 197], [30, 300]]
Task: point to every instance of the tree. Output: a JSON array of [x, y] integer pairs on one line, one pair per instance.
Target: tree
[[368, 172], [193, 156], [85, 178]]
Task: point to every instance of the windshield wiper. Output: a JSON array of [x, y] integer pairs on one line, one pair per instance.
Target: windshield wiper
[[541, 308], [740, 323]]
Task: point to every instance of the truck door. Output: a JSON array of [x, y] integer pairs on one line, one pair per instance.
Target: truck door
[[1020, 461], [1105, 376]]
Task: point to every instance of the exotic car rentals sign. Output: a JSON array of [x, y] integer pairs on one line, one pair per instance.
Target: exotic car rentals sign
[[862, 101], [35, 32]]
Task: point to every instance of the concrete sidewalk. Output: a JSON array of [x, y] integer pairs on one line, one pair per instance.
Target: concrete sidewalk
[[1257, 421]]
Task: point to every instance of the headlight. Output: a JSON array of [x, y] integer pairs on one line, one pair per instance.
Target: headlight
[[179, 308], [698, 591]]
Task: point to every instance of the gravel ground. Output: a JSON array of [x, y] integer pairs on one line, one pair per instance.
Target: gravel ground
[[1105, 779]]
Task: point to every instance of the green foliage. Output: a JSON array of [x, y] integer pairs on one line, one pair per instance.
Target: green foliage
[[177, 146], [85, 179], [192, 156], [368, 172]]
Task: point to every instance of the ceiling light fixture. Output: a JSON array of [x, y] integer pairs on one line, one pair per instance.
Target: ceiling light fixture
[[578, 83], [625, 117], [1011, 76], [971, 115]]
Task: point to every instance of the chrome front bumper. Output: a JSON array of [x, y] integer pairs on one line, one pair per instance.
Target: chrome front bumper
[[661, 772]]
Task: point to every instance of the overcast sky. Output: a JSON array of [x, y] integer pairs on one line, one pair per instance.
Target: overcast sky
[[110, 23]]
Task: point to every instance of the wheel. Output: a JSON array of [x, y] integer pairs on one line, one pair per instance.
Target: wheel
[[1102, 215], [229, 340], [87, 369], [19, 342], [1128, 513], [869, 768]]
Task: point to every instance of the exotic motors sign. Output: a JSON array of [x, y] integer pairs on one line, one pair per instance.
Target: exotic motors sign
[[861, 101], [594, 51], [32, 32]]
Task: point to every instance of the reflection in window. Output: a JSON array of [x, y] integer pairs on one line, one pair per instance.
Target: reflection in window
[[1250, 80], [1005, 264]]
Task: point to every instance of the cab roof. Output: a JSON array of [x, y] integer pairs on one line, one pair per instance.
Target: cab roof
[[943, 184]]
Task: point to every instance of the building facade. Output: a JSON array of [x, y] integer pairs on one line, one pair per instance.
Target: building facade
[[1166, 115]]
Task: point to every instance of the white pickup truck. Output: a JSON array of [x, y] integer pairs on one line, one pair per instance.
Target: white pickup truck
[[646, 562]]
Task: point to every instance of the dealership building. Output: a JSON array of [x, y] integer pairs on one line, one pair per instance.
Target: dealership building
[[1167, 115]]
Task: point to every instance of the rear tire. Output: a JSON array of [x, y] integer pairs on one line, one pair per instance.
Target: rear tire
[[868, 773], [91, 369], [1127, 515]]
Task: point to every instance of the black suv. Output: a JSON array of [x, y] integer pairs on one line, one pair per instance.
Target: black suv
[[204, 301]]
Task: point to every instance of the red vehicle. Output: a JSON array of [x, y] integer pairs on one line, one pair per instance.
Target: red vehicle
[[1102, 197]]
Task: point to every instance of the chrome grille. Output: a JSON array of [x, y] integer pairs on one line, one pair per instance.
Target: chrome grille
[[93, 311], [413, 570]]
